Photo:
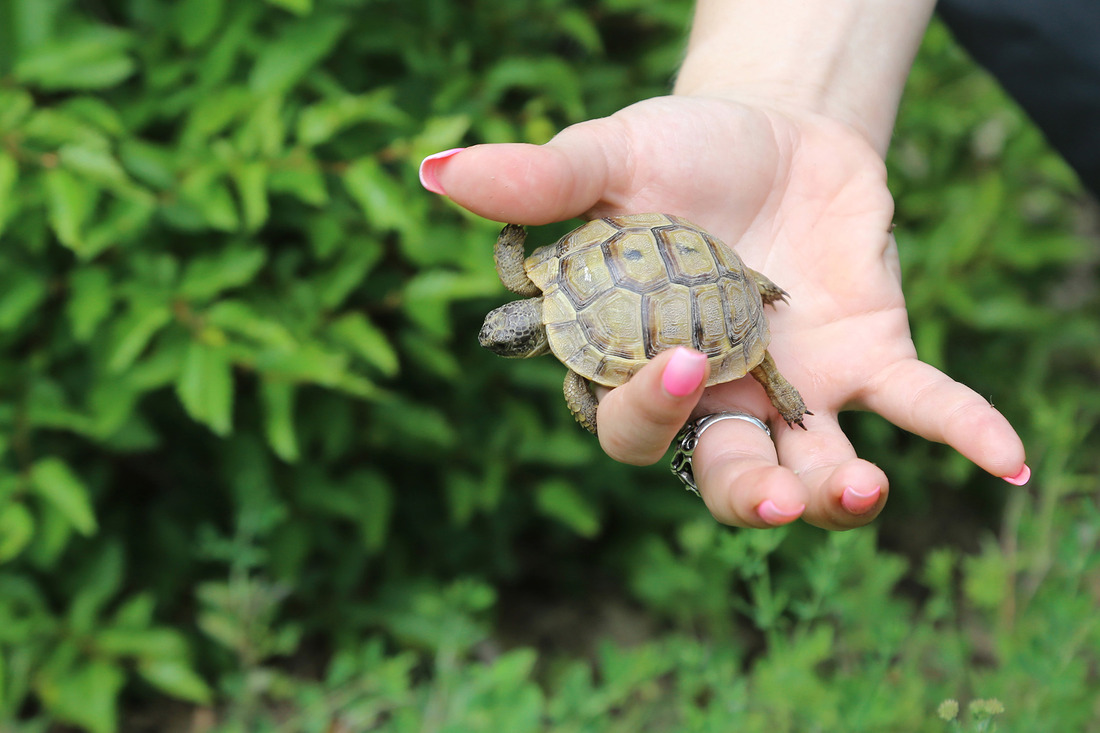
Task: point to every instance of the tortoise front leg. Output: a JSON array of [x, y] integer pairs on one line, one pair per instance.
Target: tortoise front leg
[[508, 254], [782, 394], [580, 400]]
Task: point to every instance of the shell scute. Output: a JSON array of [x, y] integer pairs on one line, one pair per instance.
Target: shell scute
[[635, 260], [688, 255], [667, 314], [710, 329], [614, 325], [584, 275]]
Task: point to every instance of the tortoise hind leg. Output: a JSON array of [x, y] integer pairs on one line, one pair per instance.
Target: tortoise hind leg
[[769, 291], [508, 255], [580, 400], [782, 394]]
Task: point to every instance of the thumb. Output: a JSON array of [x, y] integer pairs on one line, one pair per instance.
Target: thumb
[[530, 184]]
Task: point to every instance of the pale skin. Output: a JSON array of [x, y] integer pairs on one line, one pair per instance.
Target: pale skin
[[774, 140]]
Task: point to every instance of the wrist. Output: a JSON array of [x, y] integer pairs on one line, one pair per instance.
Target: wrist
[[846, 59]]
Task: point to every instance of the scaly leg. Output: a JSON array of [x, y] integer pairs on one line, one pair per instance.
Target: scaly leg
[[580, 400], [782, 394], [769, 291], [508, 254]]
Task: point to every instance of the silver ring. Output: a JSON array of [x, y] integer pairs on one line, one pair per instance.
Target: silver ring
[[687, 440]]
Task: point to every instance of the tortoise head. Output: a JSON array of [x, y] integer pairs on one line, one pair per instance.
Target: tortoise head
[[515, 330]]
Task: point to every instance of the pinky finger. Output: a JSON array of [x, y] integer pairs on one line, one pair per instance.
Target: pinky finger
[[923, 400]]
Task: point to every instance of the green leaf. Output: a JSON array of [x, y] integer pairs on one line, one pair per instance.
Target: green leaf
[[91, 299], [383, 200], [308, 363], [377, 509], [251, 181], [298, 7], [558, 499], [20, 299], [15, 105], [428, 296], [99, 574], [321, 122], [354, 331], [133, 332], [300, 176], [176, 678], [242, 319], [95, 57], [207, 191], [93, 164], [441, 133], [140, 642], [463, 493], [197, 19], [54, 481], [231, 267], [987, 577], [136, 611], [9, 174], [123, 220], [16, 530], [86, 695], [347, 273], [151, 164], [285, 60], [205, 387], [278, 400], [71, 202]]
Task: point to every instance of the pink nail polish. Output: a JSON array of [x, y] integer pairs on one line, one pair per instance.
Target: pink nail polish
[[684, 372], [429, 168], [1021, 478], [860, 502], [772, 514]]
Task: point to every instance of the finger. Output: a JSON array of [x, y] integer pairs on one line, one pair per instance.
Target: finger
[[735, 466], [923, 400], [532, 184], [844, 491], [638, 420]]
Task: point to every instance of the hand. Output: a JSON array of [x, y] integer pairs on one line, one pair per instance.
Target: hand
[[803, 199]]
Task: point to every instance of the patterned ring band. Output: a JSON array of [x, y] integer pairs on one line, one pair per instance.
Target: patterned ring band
[[688, 439]]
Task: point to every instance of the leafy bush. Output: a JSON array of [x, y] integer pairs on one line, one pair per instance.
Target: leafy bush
[[255, 474]]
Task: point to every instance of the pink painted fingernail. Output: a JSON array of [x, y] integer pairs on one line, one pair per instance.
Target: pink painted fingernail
[[684, 372], [1021, 478], [772, 514], [860, 502], [429, 169]]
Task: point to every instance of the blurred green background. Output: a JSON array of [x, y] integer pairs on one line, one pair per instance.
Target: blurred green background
[[257, 475]]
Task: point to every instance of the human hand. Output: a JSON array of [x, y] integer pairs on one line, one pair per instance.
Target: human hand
[[802, 198]]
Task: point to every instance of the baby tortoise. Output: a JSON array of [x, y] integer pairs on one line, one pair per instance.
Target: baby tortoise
[[615, 292]]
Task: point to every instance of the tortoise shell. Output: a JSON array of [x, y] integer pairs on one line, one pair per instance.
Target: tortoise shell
[[618, 291]]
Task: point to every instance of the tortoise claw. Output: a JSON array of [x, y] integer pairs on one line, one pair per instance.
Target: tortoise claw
[[798, 421]]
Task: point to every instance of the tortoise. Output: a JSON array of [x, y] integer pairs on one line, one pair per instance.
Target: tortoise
[[615, 292]]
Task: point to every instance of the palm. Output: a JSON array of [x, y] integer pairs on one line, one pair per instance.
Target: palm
[[804, 206]]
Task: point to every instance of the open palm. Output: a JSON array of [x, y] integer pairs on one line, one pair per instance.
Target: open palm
[[803, 199]]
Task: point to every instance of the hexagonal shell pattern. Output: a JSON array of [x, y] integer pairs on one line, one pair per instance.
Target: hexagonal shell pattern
[[618, 291]]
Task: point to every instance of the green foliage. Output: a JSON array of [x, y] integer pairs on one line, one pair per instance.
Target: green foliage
[[252, 460]]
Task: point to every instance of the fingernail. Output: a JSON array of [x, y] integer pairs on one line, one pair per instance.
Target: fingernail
[[429, 169], [772, 514], [684, 372], [860, 502], [1021, 478]]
